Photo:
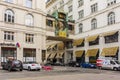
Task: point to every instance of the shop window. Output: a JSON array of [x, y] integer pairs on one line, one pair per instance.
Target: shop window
[[69, 44], [9, 16], [9, 36], [111, 38], [96, 42], [29, 38]]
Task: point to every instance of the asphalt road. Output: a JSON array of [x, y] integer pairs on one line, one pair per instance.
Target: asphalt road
[[59, 72]]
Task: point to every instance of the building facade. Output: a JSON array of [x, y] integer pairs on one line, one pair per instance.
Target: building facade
[[22, 30], [96, 27]]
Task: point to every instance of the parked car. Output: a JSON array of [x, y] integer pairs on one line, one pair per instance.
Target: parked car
[[88, 65], [108, 64], [12, 64], [74, 64], [31, 66], [47, 67]]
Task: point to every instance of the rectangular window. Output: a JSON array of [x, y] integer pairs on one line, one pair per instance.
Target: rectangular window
[[70, 17], [111, 38], [29, 38], [81, 14], [29, 3], [94, 8], [10, 1], [8, 35], [80, 3], [70, 8]]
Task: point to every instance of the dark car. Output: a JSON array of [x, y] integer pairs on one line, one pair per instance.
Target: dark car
[[74, 64], [88, 65], [12, 65]]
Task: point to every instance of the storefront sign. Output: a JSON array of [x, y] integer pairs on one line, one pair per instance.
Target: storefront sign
[[7, 44]]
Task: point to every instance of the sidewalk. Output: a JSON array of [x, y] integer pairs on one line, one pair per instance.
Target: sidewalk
[[75, 77]]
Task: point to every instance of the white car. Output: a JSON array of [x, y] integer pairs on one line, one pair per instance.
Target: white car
[[31, 66]]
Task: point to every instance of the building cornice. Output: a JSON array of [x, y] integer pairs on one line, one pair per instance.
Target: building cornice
[[37, 11]]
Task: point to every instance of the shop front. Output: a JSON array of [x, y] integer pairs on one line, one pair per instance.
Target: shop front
[[7, 50], [29, 55]]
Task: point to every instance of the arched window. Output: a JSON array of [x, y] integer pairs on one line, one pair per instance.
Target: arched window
[[9, 16], [80, 28], [29, 20], [93, 24], [111, 18]]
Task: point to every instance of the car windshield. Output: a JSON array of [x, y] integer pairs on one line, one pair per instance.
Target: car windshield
[[117, 62], [16, 62]]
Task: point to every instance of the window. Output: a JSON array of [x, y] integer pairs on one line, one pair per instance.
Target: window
[[80, 28], [10, 1], [49, 23], [9, 16], [70, 8], [80, 3], [29, 3], [93, 24], [62, 2], [29, 38], [111, 18], [81, 14], [111, 38], [70, 17], [94, 8], [8, 35], [111, 2], [29, 20]]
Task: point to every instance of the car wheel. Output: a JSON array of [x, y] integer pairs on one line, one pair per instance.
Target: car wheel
[[115, 69], [38, 69], [21, 69], [29, 69]]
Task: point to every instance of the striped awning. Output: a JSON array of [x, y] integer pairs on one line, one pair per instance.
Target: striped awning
[[52, 56], [92, 38], [60, 46], [78, 42], [79, 53], [111, 51], [60, 54], [109, 33], [92, 52]]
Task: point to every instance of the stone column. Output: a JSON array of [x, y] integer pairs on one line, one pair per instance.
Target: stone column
[[19, 52], [86, 48], [0, 57], [38, 55], [101, 44], [74, 56]]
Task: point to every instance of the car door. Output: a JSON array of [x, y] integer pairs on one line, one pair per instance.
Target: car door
[[24, 65]]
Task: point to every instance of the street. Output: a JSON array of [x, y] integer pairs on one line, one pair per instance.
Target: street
[[61, 73]]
